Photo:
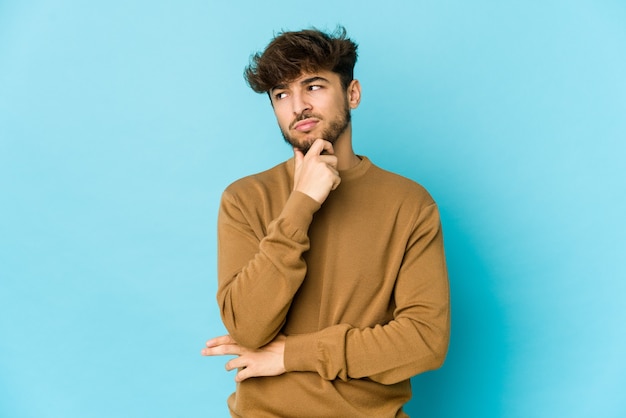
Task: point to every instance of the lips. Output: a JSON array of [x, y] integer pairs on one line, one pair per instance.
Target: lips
[[306, 125]]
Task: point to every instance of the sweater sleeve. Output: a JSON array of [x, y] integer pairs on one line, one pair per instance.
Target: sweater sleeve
[[414, 341], [259, 275]]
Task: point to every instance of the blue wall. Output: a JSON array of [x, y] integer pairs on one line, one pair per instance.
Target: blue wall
[[122, 121]]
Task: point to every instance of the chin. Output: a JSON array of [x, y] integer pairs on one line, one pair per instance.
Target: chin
[[302, 144], [304, 147]]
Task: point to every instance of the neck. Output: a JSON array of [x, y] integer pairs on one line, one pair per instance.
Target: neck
[[346, 158]]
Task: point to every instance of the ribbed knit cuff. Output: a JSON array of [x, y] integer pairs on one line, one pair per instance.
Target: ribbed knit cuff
[[301, 353], [299, 209]]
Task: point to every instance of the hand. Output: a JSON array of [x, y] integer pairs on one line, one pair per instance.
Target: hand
[[265, 361], [316, 173]]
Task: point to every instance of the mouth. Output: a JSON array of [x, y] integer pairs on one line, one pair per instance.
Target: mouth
[[306, 125]]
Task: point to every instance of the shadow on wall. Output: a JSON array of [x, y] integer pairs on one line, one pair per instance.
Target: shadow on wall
[[471, 382]]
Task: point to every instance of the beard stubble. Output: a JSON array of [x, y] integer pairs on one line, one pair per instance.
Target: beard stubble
[[334, 130]]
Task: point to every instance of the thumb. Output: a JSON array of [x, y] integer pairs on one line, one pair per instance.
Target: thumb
[[298, 157]]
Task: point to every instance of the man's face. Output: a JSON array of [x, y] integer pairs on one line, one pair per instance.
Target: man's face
[[313, 106]]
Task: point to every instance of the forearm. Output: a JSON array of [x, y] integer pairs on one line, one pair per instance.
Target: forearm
[[387, 354], [259, 275]]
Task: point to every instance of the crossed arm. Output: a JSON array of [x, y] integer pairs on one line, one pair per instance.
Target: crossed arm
[[415, 340]]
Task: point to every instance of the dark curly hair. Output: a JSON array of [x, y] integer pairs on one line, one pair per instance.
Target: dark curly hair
[[289, 54]]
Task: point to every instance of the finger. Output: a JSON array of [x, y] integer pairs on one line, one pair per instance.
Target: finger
[[244, 374], [223, 350], [319, 146], [329, 160], [224, 339], [236, 363], [328, 148]]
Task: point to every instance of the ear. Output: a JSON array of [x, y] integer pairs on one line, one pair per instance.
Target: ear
[[354, 94]]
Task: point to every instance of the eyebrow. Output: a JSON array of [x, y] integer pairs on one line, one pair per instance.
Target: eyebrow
[[304, 82], [278, 87], [313, 80]]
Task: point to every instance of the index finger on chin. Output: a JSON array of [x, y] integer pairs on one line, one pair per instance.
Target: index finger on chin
[[319, 146]]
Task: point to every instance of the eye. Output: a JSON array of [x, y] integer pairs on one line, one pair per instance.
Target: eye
[[280, 95], [314, 87]]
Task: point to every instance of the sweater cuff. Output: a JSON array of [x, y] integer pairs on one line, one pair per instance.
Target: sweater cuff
[[301, 353], [299, 209], [323, 352]]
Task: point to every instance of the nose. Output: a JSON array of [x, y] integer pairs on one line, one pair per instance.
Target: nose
[[300, 103]]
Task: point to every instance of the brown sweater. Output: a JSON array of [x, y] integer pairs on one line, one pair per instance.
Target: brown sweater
[[358, 285]]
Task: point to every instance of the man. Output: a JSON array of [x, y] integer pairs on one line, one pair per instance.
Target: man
[[332, 280]]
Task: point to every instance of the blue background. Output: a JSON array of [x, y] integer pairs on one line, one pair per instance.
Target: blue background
[[122, 121]]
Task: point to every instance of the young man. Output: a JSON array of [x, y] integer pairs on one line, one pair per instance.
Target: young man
[[332, 277]]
